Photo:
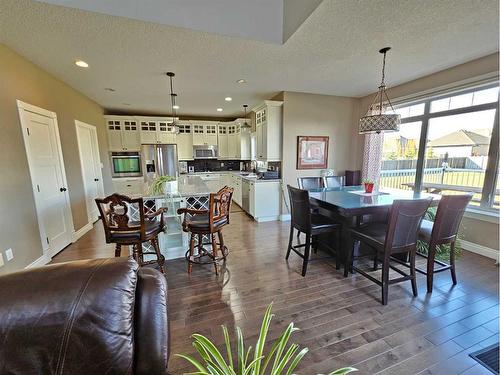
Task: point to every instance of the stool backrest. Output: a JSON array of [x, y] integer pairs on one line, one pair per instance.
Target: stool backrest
[[114, 211], [404, 223], [307, 183], [449, 214], [220, 205], [334, 181], [300, 209]]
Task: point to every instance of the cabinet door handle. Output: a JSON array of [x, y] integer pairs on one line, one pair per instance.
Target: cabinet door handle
[[96, 179], [62, 189]]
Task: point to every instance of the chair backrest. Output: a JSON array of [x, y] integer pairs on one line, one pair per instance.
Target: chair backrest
[[220, 205], [449, 214], [300, 209], [404, 223], [307, 183], [114, 211], [334, 181]]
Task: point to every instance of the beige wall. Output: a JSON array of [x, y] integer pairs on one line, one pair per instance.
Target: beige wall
[[320, 115], [480, 232], [20, 79]]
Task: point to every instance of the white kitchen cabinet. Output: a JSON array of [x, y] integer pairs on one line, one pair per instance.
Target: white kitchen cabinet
[[123, 134], [236, 185], [156, 130], [128, 186], [185, 142], [265, 200], [204, 133], [222, 142], [268, 123]]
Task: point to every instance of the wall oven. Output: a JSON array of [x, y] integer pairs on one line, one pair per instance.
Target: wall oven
[[126, 164]]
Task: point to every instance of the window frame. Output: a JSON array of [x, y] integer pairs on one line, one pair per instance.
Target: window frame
[[491, 172]]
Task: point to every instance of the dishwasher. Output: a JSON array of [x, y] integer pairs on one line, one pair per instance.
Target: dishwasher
[[245, 195]]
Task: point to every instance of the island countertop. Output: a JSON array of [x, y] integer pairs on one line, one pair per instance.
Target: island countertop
[[188, 186]]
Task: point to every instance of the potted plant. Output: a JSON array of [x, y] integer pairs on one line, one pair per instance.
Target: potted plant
[[248, 363], [164, 185], [368, 185]]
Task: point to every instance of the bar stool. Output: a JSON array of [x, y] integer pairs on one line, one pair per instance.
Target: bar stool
[[121, 229], [442, 231], [203, 223], [398, 236], [310, 223]]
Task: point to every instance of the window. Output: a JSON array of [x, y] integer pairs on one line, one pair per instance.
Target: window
[[460, 134]]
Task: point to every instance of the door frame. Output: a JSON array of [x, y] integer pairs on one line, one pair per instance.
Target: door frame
[[22, 107], [93, 129]]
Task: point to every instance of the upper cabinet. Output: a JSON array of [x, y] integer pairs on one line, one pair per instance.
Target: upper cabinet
[[222, 141], [268, 127], [204, 133], [123, 133], [185, 141], [234, 141], [156, 130]]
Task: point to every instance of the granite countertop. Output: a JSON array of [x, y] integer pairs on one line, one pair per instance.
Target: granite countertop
[[188, 186], [246, 175]]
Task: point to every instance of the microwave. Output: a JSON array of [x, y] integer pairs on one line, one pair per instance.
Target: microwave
[[126, 164], [204, 152]]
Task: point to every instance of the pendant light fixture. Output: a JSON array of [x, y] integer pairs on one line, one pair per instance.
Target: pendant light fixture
[[174, 106], [376, 119], [246, 125]]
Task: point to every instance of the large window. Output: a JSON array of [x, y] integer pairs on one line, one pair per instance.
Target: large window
[[460, 135]]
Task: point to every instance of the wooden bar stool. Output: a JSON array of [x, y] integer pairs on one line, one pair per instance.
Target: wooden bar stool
[[442, 231], [122, 230], [207, 223]]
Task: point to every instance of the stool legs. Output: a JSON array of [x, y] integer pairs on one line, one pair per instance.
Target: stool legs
[[452, 263], [118, 250], [290, 241], [214, 252], [430, 267], [307, 250], [161, 258], [191, 252]]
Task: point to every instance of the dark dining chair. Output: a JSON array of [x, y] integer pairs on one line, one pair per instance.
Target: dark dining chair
[[122, 229], [207, 223], [312, 225], [307, 183], [398, 236], [442, 231], [334, 181]]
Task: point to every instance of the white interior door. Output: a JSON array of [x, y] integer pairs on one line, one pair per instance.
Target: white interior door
[[91, 167], [43, 149]]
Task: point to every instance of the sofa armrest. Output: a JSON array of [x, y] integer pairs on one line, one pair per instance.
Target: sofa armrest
[[151, 331]]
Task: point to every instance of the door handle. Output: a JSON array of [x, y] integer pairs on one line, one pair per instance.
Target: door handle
[[62, 189], [96, 179]]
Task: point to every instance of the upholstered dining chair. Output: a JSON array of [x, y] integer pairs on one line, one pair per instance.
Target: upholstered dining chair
[[333, 181], [307, 183], [122, 229], [397, 236], [207, 223], [312, 225], [442, 231]]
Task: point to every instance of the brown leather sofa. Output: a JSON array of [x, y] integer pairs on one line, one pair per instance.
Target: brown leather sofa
[[102, 316]]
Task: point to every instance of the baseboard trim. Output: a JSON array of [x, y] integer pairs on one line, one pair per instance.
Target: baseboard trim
[[42, 261], [480, 249], [80, 232], [263, 219], [285, 217]]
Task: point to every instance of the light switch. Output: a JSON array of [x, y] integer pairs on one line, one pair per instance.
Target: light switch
[[9, 254], [1, 260]]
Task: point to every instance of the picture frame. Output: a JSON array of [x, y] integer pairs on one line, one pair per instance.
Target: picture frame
[[312, 152]]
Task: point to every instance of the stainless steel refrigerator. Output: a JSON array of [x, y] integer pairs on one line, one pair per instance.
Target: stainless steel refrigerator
[[159, 160]]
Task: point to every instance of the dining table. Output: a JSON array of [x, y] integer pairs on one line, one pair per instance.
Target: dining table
[[352, 206]]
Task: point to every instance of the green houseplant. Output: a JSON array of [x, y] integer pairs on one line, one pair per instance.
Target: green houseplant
[[161, 184], [278, 360]]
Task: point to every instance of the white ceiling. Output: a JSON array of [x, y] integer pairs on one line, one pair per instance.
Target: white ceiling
[[334, 51]]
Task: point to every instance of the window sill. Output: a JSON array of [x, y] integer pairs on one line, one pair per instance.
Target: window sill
[[482, 215]]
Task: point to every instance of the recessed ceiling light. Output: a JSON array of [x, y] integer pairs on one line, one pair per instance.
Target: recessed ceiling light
[[109, 89], [219, 109], [241, 80], [126, 103], [228, 98], [81, 64], [176, 107]]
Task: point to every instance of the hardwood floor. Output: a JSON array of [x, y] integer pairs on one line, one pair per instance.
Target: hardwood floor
[[341, 319]]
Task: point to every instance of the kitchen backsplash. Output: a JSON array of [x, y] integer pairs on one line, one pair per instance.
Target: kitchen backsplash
[[215, 165]]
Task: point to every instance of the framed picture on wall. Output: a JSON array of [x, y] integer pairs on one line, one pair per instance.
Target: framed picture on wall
[[312, 152]]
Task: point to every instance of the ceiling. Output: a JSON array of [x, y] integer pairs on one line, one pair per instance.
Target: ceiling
[[333, 51]]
